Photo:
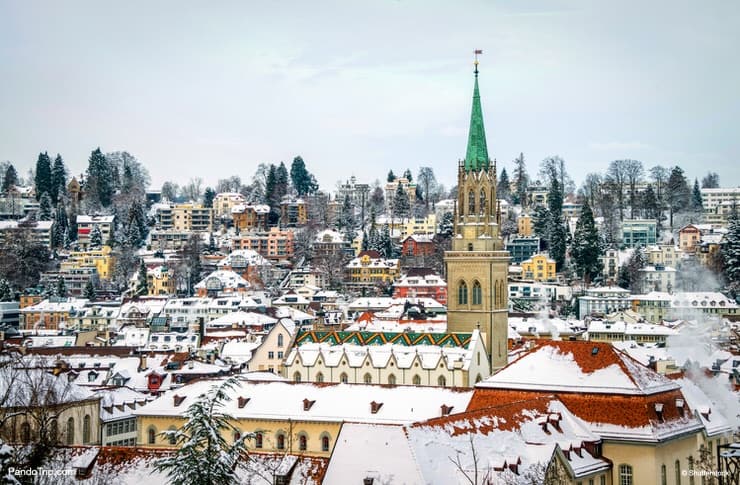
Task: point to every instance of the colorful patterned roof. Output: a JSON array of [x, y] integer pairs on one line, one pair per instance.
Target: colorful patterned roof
[[381, 338]]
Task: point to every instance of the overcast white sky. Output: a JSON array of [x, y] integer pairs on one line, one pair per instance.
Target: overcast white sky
[[211, 89]]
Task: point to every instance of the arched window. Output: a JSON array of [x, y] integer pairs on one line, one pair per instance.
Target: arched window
[[172, 438], [325, 443], [367, 379], [343, 378], [478, 378], [70, 431], [416, 380], [392, 380], [25, 432], [297, 377], [663, 475], [471, 203], [678, 472], [280, 340], [258, 440], [151, 435], [86, 429], [237, 436], [280, 441], [477, 293], [441, 381], [319, 377], [691, 470], [462, 293], [482, 205], [625, 475], [302, 442]]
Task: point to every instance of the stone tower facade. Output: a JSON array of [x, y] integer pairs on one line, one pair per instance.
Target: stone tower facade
[[477, 265]]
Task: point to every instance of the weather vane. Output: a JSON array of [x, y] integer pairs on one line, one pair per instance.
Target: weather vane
[[476, 52]]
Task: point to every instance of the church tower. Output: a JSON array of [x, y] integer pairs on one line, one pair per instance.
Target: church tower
[[477, 265]]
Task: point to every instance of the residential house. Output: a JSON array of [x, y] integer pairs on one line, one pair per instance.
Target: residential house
[[421, 283], [86, 224], [639, 232], [539, 268]]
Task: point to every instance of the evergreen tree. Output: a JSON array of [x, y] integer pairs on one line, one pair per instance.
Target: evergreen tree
[[388, 249], [142, 285], [407, 175], [58, 180], [586, 249], [696, 202], [521, 181], [45, 207], [391, 176], [730, 251], [678, 194], [203, 455], [541, 224], [96, 237], [42, 181], [346, 216], [447, 224], [650, 203], [629, 274], [303, 182], [133, 236], [283, 180], [6, 292], [427, 182], [503, 189], [365, 241], [61, 289], [89, 291], [557, 240], [208, 195], [401, 203], [10, 178], [99, 184]]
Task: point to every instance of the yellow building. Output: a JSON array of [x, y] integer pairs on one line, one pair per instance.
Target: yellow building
[[100, 259], [160, 281], [370, 268], [49, 313], [192, 217], [477, 265], [224, 202], [524, 225], [406, 226], [297, 417], [539, 268]]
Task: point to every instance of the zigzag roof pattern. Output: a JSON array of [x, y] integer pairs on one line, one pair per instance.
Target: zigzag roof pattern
[[461, 340]]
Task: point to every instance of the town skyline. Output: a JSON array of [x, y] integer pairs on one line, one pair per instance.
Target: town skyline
[[590, 94]]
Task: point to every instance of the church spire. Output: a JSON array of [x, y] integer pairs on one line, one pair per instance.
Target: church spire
[[476, 157]]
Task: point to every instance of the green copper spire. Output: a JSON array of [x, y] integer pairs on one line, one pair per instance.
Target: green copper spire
[[476, 158]]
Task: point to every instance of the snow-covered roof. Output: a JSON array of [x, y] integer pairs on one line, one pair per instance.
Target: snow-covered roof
[[331, 402], [241, 319], [222, 279], [709, 412], [592, 367], [86, 219], [250, 256], [329, 236]]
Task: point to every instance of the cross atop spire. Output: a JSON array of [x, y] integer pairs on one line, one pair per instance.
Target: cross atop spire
[[476, 157]]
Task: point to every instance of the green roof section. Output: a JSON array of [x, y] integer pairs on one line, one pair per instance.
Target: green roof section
[[476, 157], [382, 338]]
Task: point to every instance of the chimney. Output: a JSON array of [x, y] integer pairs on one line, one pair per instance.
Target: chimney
[[242, 401], [375, 407], [142, 362], [446, 409]]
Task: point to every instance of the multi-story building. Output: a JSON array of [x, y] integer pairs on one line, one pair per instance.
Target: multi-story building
[[639, 232], [539, 268], [50, 313], [40, 231], [369, 269], [160, 280], [329, 243], [713, 198], [610, 264], [293, 212], [418, 245], [421, 283], [224, 202], [249, 217], [522, 248], [402, 227], [524, 225], [357, 193], [658, 306], [192, 217], [603, 300], [168, 239], [689, 237], [275, 244], [618, 331], [664, 254], [656, 278], [100, 258], [86, 224]]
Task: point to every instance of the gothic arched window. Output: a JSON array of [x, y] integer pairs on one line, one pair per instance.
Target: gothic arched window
[[462, 294], [477, 293], [482, 204], [471, 202]]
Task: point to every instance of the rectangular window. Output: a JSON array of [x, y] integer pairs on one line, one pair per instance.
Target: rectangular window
[[271, 355]]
